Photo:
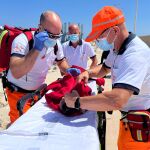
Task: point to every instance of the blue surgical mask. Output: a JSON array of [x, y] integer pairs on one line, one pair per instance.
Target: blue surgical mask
[[104, 45], [50, 42], [74, 38]]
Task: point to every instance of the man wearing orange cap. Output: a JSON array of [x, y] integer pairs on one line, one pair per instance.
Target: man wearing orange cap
[[128, 62]]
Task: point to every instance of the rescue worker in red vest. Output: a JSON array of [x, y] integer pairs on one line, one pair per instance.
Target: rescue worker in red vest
[[128, 62], [28, 68]]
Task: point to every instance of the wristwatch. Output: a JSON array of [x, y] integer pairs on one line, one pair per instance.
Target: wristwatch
[[77, 103]]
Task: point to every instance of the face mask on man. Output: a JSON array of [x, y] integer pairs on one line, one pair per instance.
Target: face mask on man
[[50, 42], [104, 44], [74, 38]]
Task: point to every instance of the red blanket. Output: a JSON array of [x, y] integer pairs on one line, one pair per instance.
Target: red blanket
[[63, 86]]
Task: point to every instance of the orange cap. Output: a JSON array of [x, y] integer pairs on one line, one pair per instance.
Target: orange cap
[[105, 18]]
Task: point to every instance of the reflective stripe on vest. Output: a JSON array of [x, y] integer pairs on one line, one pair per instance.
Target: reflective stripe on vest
[[2, 35]]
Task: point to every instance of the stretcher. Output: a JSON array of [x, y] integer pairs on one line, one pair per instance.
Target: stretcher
[[42, 128]]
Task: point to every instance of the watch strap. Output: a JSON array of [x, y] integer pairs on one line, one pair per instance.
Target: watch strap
[[77, 103]]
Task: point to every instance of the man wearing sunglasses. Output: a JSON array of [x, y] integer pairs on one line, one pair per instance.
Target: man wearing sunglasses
[[128, 62], [29, 67], [76, 50]]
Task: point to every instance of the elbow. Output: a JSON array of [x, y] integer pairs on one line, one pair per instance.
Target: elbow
[[119, 97], [15, 74], [119, 104]]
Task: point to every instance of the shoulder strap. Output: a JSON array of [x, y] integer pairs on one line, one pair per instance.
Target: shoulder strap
[[2, 35], [29, 36], [55, 49]]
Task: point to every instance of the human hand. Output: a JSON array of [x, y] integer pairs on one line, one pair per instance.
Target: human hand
[[39, 40], [70, 98], [73, 71], [83, 76]]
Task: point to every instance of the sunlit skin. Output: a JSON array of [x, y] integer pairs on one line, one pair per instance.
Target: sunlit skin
[[52, 23], [107, 100], [21, 66], [74, 29]]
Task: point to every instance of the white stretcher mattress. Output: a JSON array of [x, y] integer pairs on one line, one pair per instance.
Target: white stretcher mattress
[[41, 128]]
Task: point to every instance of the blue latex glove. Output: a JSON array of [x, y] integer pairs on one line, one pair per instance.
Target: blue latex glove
[[39, 40], [73, 71]]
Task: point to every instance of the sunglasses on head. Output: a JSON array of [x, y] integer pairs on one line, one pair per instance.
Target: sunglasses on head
[[54, 36]]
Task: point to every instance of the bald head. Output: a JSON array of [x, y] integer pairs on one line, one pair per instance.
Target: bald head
[[73, 29], [50, 21]]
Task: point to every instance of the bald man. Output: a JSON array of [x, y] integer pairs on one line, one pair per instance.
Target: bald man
[[29, 67], [76, 50], [128, 62]]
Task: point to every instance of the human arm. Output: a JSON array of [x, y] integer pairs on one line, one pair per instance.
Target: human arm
[[23, 59], [106, 101], [94, 62], [98, 71], [20, 66], [63, 65], [128, 81]]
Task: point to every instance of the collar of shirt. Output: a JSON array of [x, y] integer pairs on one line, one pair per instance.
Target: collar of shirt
[[79, 43], [126, 42]]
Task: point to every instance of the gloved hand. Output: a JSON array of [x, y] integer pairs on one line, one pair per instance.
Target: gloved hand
[[73, 71], [39, 40]]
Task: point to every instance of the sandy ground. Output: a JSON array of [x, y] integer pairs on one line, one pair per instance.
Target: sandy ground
[[53, 74]]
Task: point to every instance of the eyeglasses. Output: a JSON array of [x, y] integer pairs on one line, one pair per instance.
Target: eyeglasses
[[54, 36]]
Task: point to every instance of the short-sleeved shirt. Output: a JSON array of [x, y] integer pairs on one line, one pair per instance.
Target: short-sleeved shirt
[[36, 76], [130, 69], [78, 56]]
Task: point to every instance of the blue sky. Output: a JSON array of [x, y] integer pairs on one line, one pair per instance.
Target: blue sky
[[26, 13]]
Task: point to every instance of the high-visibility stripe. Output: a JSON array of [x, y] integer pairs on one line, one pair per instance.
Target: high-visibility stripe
[[2, 35], [107, 22], [139, 135]]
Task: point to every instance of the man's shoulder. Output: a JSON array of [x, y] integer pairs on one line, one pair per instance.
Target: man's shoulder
[[65, 44], [21, 38], [86, 43], [137, 42]]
